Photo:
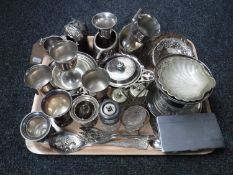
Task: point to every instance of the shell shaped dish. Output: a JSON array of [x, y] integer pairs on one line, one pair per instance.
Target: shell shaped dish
[[185, 78]]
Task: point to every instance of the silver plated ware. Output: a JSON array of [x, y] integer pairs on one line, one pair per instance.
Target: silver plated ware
[[126, 46], [50, 41], [96, 81], [71, 79], [35, 126], [163, 45], [118, 95], [184, 78], [39, 77], [142, 28], [162, 102], [103, 48], [85, 110], [104, 22], [76, 30], [67, 142], [57, 104], [125, 70], [64, 55]]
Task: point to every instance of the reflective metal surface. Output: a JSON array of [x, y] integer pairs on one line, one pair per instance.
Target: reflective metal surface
[[56, 103], [118, 95], [166, 44], [35, 126], [103, 48], [96, 80], [159, 103], [71, 79], [50, 41], [123, 70], [104, 21], [64, 54], [85, 110], [76, 30], [38, 76], [124, 45], [184, 78]]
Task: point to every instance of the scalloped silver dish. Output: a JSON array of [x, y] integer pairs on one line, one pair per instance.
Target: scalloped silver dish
[[185, 78]]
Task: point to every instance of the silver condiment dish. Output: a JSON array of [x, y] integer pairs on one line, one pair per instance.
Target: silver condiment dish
[[125, 70], [85, 109]]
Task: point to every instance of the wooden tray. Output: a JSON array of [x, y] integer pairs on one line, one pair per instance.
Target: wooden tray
[[42, 148]]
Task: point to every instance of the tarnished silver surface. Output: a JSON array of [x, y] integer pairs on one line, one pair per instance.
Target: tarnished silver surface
[[159, 104], [66, 142], [71, 79], [119, 96], [170, 46]]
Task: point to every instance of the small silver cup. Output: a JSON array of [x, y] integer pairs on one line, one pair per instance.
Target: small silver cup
[[36, 126], [64, 55], [96, 81], [50, 41], [38, 77], [57, 104]]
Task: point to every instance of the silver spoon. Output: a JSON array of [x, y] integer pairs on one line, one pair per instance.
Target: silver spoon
[[68, 142]]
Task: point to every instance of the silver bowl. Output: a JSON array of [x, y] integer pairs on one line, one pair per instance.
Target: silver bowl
[[56, 103], [50, 41], [96, 80], [35, 126], [37, 76], [184, 78]]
